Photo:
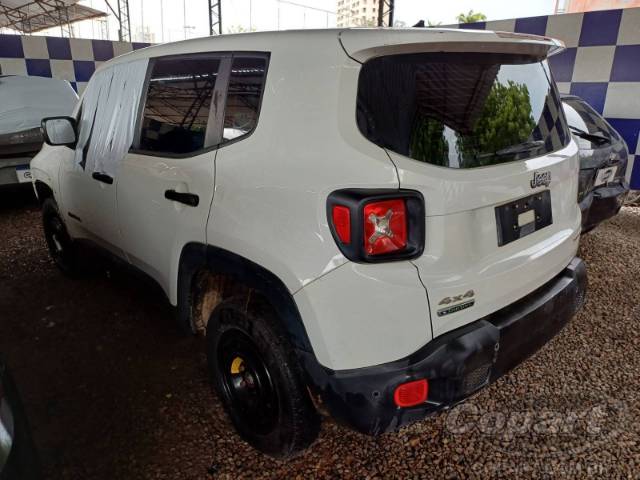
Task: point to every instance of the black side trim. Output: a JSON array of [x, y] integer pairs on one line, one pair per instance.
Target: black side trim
[[217, 260]]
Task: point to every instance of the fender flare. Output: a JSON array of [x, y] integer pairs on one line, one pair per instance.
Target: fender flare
[[195, 256]]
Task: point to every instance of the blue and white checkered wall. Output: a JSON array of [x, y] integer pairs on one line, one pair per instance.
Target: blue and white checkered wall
[[71, 59], [601, 64]]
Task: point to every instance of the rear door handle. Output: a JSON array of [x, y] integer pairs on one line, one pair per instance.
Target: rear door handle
[[102, 177], [187, 198]]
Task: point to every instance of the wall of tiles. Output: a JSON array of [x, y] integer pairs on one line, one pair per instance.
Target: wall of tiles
[[71, 59], [601, 64]]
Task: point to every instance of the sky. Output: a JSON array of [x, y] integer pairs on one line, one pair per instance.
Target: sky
[[171, 20]]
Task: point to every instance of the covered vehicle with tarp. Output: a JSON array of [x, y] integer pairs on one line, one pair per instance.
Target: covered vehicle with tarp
[[24, 102]]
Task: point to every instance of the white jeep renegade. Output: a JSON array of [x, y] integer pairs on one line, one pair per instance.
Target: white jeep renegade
[[370, 223]]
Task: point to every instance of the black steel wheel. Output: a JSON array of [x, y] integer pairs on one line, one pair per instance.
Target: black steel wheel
[[257, 376], [247, 382]]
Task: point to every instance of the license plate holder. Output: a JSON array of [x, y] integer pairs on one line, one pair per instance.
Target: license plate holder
[[514, 220], [605, 175], [23, 174]]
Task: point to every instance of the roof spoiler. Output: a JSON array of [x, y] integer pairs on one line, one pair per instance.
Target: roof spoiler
[[364, 44]]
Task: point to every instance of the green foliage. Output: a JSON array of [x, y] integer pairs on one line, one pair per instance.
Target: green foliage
[[506, 120], [428, 143], [471, 17]]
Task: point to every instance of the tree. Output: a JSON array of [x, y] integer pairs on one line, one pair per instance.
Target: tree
[[506, 119], [428, 143], [471, 17]]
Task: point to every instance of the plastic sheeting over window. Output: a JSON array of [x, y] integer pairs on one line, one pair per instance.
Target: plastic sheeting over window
[[108, 116]]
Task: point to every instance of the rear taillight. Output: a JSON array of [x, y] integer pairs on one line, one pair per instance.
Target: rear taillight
[[411, 394], [341, 217], [377, 225], [385, 227]]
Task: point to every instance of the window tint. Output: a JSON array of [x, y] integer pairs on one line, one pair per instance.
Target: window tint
[[461, 110], [246, 84], [580, 115], [177, 106]]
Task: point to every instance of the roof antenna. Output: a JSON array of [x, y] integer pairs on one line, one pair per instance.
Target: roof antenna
[[420, 24]]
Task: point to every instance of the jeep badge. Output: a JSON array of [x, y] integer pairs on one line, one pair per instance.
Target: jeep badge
[[540, 179]]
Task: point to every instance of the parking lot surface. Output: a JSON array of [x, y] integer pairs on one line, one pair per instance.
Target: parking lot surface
[[113, 391]]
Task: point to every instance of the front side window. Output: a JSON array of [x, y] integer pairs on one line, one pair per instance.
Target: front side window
[[176, 111], [461, 110], [246, 83]]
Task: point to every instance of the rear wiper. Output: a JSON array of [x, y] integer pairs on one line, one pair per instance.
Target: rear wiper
[[513, 149], [592, 137], [519, 148]]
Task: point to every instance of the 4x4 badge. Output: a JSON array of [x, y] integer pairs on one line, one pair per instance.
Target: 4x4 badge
[[460, 302], [540, 179]]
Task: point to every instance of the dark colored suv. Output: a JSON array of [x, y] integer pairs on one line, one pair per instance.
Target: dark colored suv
[[603, 162]]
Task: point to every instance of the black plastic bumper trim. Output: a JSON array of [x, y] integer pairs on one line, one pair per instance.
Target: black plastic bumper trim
[[601, 204], [457, 363]]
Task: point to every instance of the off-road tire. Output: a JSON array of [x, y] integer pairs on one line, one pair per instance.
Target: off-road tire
[[296, 424], [61, 247]]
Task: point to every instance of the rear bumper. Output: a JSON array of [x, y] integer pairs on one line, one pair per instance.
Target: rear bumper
[[458, 363], [602, 204]]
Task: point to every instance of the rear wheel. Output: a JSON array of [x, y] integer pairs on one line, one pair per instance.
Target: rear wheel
[[257, 376], [60, 244]]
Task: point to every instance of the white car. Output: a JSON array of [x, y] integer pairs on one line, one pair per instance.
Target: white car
[[24, 102], [373, 223]]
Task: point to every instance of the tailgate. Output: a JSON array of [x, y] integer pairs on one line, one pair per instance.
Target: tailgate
[[477, 127]]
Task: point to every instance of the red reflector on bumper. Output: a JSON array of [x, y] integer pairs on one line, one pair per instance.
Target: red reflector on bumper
[[411, 393]]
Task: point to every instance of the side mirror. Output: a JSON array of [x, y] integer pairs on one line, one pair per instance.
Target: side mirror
[[60, 131]]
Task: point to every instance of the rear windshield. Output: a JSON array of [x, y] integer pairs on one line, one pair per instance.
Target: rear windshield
[[581, 116], [461, 110]]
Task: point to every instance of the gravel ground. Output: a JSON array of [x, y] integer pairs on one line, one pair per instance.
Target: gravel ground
[[113, 391]]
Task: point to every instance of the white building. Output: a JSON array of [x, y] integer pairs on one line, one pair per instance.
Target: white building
[[357, 13]]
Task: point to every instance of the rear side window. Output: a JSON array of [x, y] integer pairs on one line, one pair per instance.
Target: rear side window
[[461, 110], [244, 93], [176, 112]]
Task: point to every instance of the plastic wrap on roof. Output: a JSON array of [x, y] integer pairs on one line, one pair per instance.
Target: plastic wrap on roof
[[25, 101], [109, 110]]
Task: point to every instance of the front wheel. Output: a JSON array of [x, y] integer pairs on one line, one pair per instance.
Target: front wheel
[[60, 244], [257, 377]]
